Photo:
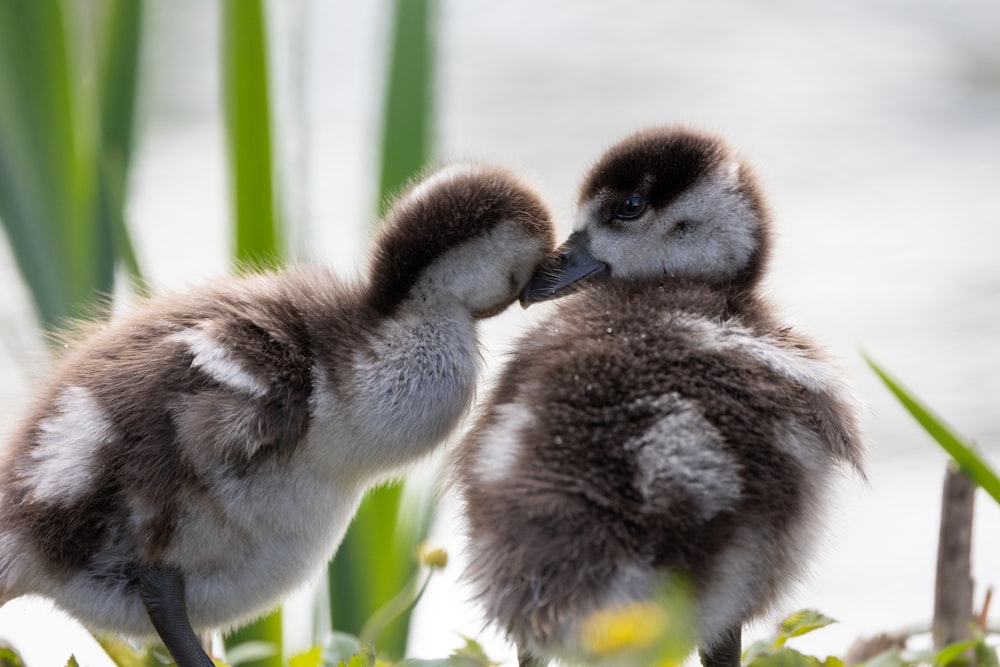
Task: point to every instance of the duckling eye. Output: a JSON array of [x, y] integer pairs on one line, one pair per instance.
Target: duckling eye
[[630, 207]]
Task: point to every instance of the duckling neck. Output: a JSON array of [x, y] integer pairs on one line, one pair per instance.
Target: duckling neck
[[406, 386]]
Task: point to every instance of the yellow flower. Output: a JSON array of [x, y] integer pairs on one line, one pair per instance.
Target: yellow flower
[[436, 559], [635, 626]]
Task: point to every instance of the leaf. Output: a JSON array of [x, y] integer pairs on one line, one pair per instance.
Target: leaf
[[124, 655], [986, 655], [117, 77], [10, 658], [803, 622], [264, 631], [69, 663], [46, 158], [340, 647], [250, 651], [953, 652], [363, 658], [967, 459], [758, 649], [471, 654], [248, 130], [474, 650], [311, 658], [890, 658], [450, 661], [784, 657], [408, 106]]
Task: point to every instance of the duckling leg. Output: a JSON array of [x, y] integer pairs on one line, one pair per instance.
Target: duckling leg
[[726, 653], [162, 591], [527, 659]]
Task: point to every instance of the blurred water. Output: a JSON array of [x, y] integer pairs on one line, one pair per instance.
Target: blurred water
[[875, 127]]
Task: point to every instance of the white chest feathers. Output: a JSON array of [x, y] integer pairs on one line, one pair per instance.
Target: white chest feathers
[[404, 392]]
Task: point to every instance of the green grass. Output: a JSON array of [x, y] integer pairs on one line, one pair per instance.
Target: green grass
[[246, 99], [65, 148], [956, 446]]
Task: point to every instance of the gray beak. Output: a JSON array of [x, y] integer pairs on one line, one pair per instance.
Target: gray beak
[[571, 263]]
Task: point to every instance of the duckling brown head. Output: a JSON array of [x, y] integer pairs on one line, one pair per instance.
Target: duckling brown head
[[664, 204], [467, 235]]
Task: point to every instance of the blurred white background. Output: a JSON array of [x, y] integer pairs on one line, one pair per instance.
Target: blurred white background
[[875, 128]]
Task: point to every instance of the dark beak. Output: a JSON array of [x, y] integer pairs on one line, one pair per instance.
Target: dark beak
[[571, 263]]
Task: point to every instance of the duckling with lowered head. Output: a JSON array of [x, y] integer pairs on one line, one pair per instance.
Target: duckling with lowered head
[[660, 420], [193, 461]]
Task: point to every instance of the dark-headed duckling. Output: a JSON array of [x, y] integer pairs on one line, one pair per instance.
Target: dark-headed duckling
[[660, 420], [193, 461]]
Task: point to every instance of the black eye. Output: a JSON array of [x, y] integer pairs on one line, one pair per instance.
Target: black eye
[[630, 207]]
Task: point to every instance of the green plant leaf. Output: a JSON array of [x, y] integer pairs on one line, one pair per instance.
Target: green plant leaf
[[890, 658], [474, 651], [968, 461], [986, 655], [804, 621], [46, 146], [311, 658], [450, 661], [61, 183], [340, 647], [953, 652], [407, 114], [362, 657], [248, 129], [266, 631], [784, 657], [250, 652], [117, 82], [10, 658], [373, 564], [124, 655]]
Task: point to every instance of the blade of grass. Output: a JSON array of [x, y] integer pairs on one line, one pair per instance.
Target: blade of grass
[[970, 463], [60, 203], [376, 558], [248, 125], [117, 79], [46, 190], [408, 106], [248, 130]]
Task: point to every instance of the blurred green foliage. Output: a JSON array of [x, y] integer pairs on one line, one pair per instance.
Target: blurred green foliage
[[66, 110], [962, 451]]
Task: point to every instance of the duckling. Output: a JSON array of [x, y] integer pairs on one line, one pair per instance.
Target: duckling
[[660, 420], [193, 461]]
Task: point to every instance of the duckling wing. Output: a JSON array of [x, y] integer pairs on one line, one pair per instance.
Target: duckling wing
[[251, 392]]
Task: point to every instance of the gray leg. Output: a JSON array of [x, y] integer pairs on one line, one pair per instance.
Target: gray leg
[[162, 591], [726, 653]]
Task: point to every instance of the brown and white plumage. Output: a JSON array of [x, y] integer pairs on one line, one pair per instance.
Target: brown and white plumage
[[224, 436], [660, 420]]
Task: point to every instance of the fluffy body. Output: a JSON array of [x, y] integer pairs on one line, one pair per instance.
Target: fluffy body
[[230, 431], [661, 420]]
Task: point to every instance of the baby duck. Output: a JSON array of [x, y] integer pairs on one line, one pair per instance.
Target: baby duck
[[660, 420], [193, 461]]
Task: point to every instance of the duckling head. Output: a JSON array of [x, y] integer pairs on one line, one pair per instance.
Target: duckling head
[[664, 204], [468, 236]]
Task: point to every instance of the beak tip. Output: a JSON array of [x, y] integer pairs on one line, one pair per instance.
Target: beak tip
[[572, 263]]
